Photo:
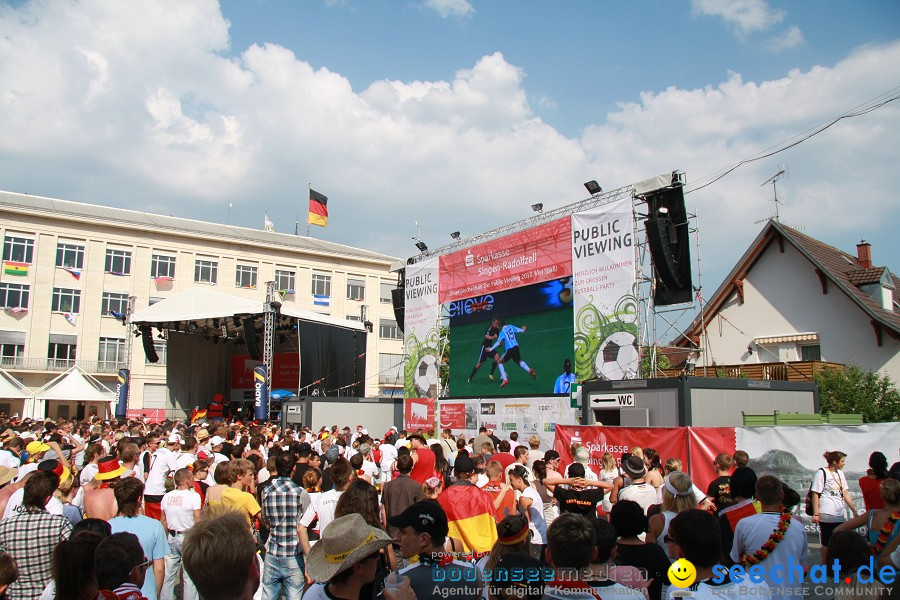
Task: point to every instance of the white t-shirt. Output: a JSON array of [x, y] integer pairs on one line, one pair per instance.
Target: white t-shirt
[[388, 457], [159, 468], [87, 474], [8, 459], [14, 506], [369, 468], [323, 506], [25, 470], [183, 460], [537, 506], [642, 493], [754, 531], [831, 486], [179, 507]]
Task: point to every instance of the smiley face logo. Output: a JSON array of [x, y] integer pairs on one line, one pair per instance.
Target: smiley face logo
[[682, 573]]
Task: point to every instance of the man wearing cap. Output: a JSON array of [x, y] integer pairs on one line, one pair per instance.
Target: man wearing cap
[[422, 530], [16, 504], [100, 502], [345, 559], [31, 536], [470, 511], [639, 490], [216, 443], [423, 458]]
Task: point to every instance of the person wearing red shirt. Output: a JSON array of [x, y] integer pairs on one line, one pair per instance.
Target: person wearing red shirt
[[871, 481], [423, 458], [503, 456]]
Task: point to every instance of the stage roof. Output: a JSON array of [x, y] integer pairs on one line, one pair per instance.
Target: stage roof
[[202, 305], [76, 385]]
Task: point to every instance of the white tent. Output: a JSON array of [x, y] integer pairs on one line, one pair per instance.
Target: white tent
[[202, 303], [73, 385], [10, 388]]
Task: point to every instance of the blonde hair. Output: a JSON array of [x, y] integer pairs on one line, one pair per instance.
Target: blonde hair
[[890, 491], [673, 465], [638, 451], [608, 461], [494, 470], [682, 501]]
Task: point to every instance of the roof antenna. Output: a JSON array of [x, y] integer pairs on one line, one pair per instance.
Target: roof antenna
[[782, 172]]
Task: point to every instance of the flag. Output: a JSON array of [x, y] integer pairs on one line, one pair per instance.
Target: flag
[[198, 415], [76, 273], [16, 268], [321, 300], [16, 309], [268, 225], [73, 319], [161, 278], [318, 209], [470, 515], [117, 315]]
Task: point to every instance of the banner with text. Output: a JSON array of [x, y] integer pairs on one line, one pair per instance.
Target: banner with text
[[668, 441], [604, 287], [418, 413], [421, 328], [523, 258]]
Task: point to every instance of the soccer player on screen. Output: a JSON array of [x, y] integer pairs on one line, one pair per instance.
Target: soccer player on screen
[[511, 352], [564, 382], [490, 336]]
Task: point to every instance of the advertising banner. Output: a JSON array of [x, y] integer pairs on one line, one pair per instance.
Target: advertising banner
[[418, 413], [523, 258], [421, 328], [705, 443], [668, 441], [285, 371], [122, 381], [604, 287], [452, 415], [260, 393]]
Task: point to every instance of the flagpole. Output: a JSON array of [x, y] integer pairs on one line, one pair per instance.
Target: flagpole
[[229, 211], [308, 193]]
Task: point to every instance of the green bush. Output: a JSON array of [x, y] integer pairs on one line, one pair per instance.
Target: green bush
[[855, 390]]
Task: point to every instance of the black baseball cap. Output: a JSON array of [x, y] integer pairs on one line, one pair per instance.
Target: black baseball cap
[[463, 464], [551, 455], [426, 516]]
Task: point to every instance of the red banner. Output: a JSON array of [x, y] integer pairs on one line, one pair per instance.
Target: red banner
[[705, 444], [668, 441], [418, 413], [154, 415], [453, 415], [532, 256], [285, 371]]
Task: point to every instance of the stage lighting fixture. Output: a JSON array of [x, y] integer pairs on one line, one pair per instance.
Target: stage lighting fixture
[[421, 246], [370, 326], [593, 187], [276, 305], [539, 207], [137, 333], [455, 235], [663, 211]]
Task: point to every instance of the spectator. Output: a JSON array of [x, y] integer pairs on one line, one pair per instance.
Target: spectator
[[423, 458], [870, 482], [222, 571], [129, 493], [513, 535], [470, 511], [883, 524], [740, 459], [638, 490], [74, 576], [829, 495], [578, 495], [9, 572], [323, 508], [571, 547], [719, 489], [400, 493], [628, 519], [180, 511], [678, 496], [502, 495], [615, 581], [121, 567]]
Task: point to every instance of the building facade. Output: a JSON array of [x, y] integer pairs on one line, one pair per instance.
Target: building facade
[[69, 269]]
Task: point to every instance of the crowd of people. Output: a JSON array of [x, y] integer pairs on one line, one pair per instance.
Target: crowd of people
[[218, 510]]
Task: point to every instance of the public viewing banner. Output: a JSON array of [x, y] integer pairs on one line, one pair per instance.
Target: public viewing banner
[[605, 298], [523, 258], [421, 327]]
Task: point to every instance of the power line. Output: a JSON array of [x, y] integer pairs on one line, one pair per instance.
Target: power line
[[862, 109]]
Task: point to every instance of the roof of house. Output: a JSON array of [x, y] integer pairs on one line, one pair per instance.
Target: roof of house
[[176, 225], [840, 268]]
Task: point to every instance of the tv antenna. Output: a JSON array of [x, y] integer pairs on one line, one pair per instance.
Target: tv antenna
[[782, 172]]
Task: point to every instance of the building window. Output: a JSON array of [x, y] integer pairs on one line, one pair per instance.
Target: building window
[[69, 256], [356, 289], [12, 355], [66, 300], [112, 353], [390, 369], [162, 351], [353, 318], [321, 285], [386, 292], [811, 352], [118, 262], [245, 276], [387, 328], [60, 355], [114, 303], [162, 266], [17, 249], [14, 295], [284, 281], [206, 271]]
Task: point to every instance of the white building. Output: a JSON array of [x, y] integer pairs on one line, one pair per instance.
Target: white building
[[68, 266], [792, 298]]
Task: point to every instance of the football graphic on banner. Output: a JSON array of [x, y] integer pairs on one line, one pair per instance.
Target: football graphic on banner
[[618, 356], [426, 377]]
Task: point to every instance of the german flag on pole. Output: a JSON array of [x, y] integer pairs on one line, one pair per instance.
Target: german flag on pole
[[318, 209], [470, 515]]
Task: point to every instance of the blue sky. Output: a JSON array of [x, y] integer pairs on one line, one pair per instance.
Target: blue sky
[[458, 114]]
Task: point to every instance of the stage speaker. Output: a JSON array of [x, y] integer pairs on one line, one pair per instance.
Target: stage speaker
[[397, 298], [147, 339], [251, 339], [668, 237]]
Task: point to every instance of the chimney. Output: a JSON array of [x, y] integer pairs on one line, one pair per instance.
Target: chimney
[[864, 254]]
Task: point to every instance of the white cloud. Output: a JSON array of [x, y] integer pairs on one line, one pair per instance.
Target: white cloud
[[745, 16], [145, 112], [457, 9], [791, 38]]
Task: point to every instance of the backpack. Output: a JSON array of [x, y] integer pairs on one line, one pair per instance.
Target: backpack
[[808, 506]]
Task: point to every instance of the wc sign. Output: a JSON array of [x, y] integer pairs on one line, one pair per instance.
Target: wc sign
[[612, 401]]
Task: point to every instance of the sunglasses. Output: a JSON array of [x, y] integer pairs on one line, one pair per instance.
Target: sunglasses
[[669, 539], [147, 562]]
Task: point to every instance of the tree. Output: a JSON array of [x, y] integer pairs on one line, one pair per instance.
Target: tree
[[662, 362], [856, 391]]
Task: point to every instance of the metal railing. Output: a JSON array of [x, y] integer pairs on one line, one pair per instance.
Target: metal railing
[[20, 363]]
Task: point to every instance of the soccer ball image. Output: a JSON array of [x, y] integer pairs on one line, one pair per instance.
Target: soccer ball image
[[426, 377], [618, 356]]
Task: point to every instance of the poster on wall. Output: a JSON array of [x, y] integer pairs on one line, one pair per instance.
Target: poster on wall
[[421, 328], [668, 441], [526, 416], [418, 413], [605, 292]]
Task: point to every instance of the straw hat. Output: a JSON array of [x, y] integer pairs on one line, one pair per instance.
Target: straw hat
[[7, 474], [345, 541]]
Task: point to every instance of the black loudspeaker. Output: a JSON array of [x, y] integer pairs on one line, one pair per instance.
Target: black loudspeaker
[[668, 237], [147, 339], [397, 298], [251, 340]]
